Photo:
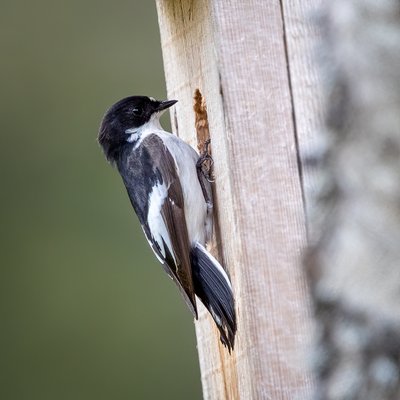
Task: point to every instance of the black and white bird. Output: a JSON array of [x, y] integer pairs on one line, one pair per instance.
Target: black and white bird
[[172, 200]]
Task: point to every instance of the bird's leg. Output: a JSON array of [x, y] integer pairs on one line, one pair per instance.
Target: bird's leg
[[205, 162], [204, 165]]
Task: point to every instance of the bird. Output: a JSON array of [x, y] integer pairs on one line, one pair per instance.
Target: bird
[[171, 196]]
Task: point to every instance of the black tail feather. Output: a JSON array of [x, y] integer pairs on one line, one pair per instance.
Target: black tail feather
[[212, 286]]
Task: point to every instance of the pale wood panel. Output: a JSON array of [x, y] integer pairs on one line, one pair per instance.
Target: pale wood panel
[[234, 52], [302, 20], [189, 62]]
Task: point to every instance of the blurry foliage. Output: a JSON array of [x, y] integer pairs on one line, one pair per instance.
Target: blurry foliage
[[86, 310]]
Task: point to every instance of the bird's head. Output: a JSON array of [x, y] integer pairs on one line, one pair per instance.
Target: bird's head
[[125, 118]]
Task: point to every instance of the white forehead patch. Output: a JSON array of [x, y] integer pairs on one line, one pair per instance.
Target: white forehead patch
[[152, 99]]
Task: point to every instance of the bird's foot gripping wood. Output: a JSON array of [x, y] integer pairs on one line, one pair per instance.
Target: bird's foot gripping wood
[[204, 172], [205, 163]]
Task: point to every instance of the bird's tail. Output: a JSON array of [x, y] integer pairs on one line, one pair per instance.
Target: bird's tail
[[212, 286]]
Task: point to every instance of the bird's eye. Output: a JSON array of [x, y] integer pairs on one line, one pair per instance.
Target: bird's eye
[[137, 112]]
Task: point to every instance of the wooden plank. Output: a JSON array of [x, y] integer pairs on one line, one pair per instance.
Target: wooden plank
[[303, 44], [235, 53]]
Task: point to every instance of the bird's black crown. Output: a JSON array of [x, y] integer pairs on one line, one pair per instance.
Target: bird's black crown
[[129, 113]]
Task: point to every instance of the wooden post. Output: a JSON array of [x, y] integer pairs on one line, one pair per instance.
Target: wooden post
[[251, 62]]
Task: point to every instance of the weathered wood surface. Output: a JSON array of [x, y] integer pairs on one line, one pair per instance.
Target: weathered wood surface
[[302, 39], [246, 62]]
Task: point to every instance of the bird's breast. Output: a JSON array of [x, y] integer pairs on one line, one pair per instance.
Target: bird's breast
[[185, 158]]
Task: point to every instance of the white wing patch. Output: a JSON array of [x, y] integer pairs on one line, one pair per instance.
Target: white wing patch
[[155, 220]]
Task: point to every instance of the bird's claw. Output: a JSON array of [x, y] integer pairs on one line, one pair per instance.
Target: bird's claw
[[205, 163]]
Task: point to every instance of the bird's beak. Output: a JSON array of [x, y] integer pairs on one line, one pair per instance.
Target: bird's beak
[[166, 104]]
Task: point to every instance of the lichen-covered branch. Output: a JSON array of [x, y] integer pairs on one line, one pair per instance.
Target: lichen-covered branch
[[354, 264]]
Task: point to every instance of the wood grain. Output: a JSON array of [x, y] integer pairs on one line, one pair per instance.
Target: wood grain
[[303, 44], [236, 54]]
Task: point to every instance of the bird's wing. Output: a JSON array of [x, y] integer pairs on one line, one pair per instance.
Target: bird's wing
[[160, 209]]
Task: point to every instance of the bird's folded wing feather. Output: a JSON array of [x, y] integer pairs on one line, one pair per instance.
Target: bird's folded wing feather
[[165, 223]]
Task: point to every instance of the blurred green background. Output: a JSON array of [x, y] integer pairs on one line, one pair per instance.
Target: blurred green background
[[86, 310]]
